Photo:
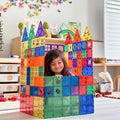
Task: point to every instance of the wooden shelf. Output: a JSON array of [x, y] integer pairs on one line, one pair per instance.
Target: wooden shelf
[[98, 64], [106, 64], [54, 41]]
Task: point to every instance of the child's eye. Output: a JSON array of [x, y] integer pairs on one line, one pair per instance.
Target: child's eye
[[59, 62], [52, 64]]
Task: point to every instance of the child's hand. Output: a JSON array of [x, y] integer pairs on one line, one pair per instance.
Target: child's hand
[[58, 75]]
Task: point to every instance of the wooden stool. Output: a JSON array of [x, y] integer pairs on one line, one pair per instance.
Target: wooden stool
[[116, 79]]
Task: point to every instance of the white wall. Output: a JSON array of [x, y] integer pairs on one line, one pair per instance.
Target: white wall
[[96, 25], [77, 11], [88, 12]]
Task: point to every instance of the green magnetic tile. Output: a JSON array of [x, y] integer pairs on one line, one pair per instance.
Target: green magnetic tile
[[66, 101], [41, 68], [83, 53], [74, 100], [57, 81], [41, 73], [57, 101], [32, 52], [74, 54], [65, 48], [25, 53], [90, 89], [75, 110], [57, 91], [67, 111], [58, 111], [48, 102], [48, 81]]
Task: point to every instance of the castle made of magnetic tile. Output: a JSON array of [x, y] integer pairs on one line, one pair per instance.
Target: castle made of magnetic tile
[[50, 96]]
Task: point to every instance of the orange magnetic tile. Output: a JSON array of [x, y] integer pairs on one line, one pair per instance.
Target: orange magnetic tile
[[79, 71], [36, 61], [28, 62], [35, 81], [77, 37], [70, 63], [32, 62], [75, 70], [41, 81], [40, 61], [27, 90]]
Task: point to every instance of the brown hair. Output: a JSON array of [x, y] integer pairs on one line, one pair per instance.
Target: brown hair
[[50, 56]]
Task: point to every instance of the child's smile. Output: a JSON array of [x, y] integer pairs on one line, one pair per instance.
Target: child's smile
[[57, 65]]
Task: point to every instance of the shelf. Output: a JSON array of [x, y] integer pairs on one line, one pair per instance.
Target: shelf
[[98, 64], [54, 41], [9, 95], [10, 60], [106, 64]]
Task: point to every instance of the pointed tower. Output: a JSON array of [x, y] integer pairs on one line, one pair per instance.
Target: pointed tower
[[31, 34], [68, 39], [77, 37], [87, 35], [40, 31], [25, 36]]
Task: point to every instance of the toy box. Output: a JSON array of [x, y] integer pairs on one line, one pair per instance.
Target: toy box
[[105, 88]]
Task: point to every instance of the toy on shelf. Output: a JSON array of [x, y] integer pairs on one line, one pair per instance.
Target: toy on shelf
[[46, 27], [50, 96], [21, 26]]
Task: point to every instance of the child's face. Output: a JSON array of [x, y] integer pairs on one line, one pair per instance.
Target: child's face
[[57, 65]]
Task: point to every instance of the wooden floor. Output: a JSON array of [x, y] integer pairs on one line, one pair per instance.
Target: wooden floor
[[105, 109]]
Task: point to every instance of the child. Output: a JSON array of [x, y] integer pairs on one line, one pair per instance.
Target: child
[[55, 64]]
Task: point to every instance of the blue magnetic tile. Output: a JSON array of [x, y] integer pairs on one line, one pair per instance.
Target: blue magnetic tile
[[83, 109], [83, 100], [66, 91], [66, 80], [35, 93], [71, 70], [74, 80], [32, 90], [90, 99], [90, 71], [74, 46], [28, 71], [84, 45], [84, 71], [79, 46], [48, 91], [41, 51], [90, 108], [28, 80], [24, 89]]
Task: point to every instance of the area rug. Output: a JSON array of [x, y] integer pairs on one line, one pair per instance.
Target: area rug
[[115, 95]]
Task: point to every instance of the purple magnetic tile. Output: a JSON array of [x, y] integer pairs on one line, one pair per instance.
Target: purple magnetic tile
[[74, 63], [37, 52], [70, 55], [40, 31], [89, 62], [74, 90], [21, 89]]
